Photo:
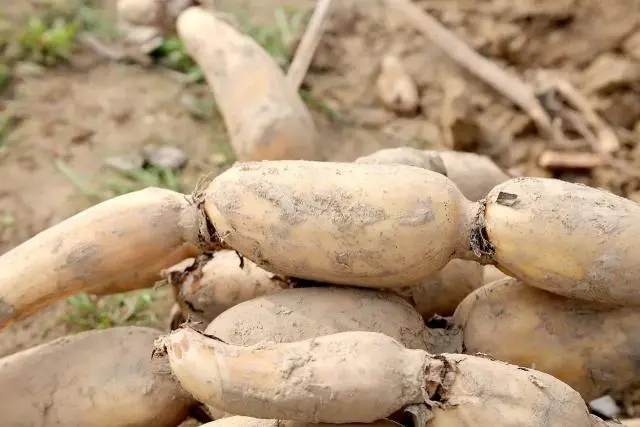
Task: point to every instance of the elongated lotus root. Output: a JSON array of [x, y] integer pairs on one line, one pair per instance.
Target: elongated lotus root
[[99, 378], [303, 313], [265, 117], [474, 174], [364, 377], [311, 381], [441, 293], [408, 156], [527, 326], [343, 223], [115, 246], [566, 238], [299, 314], [239, 421], [213, 282]]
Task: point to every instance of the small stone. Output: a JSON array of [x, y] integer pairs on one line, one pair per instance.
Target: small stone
[[196, 107], [165, 156], [28, 69], [127, 163], [605, 406]]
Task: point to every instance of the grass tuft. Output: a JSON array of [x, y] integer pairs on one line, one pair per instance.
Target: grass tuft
[[128, 308], [106, 186]]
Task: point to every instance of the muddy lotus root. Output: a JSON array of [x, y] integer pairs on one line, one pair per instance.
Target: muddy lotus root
[[304, 313], [118, 245], [566, 238], [264, 115], [527, 326], [342, 223], [368, 225], [213, 282], [316, 380], [98, 378]]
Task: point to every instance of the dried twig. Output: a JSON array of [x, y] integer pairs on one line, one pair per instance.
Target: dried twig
[[453, 88], [101, 49], [110, 53], [508, 85], [602, 138], [308, 44], [569, 160]]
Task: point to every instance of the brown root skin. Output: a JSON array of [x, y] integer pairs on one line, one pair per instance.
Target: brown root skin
[[341, 223], [120, 244], [314, 381], [264, 115], [213, 282], [99, 378], [304, 313], [524, 325]]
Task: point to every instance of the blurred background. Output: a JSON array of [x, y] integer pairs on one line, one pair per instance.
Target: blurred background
[[83, 119]]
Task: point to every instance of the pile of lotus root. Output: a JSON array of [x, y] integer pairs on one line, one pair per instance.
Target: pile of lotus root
[[405, 288]]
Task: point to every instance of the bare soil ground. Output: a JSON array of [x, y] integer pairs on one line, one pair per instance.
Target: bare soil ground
[[79, 114]]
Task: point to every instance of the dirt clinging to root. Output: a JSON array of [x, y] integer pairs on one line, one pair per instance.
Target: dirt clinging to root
[[479, 239], [208, 237], [6, 311]]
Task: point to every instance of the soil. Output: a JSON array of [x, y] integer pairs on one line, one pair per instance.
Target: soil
[[82, 113]]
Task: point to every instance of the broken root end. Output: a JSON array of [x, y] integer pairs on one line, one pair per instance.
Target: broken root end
[[440, 373], [159, 350], [208, 238], [479, 241]]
